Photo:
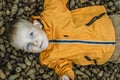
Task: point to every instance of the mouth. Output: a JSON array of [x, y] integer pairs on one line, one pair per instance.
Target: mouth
[[41, 44]]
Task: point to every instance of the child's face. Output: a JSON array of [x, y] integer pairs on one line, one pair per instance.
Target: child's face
[[30, 38]]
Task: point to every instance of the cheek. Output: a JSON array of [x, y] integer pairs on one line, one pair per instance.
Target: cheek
[[37, 34]]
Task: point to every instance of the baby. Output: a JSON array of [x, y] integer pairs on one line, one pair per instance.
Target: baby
[[84, 36]]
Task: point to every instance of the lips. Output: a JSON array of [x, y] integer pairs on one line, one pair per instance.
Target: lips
[[41, 44]]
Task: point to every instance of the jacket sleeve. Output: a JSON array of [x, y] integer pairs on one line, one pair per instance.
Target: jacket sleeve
[[62, 67], [55, 5], [52, 7]]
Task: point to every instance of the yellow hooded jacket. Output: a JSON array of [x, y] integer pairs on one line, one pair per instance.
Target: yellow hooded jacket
[[75, 36]]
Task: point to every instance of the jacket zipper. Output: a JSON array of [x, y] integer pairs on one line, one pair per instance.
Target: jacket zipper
[[82, 42]]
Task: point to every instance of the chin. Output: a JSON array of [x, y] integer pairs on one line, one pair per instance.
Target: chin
[[45, 45]]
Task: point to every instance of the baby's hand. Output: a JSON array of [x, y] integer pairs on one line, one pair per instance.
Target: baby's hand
[[64, 77]]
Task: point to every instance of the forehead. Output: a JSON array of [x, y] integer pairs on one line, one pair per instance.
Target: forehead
[[22, 34]]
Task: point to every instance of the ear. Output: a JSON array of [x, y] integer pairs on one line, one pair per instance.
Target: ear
[[37, 24]]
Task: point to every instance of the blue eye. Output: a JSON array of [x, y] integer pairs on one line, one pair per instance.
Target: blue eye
[[31, 35], [28, 46]]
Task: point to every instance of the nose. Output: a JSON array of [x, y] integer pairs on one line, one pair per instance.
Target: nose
[[35, 42]]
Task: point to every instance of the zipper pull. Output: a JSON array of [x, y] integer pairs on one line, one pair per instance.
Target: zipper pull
[[94, 19], [65, 35]]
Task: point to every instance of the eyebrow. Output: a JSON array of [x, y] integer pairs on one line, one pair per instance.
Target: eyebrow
[[27, 36], [24, 47]]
